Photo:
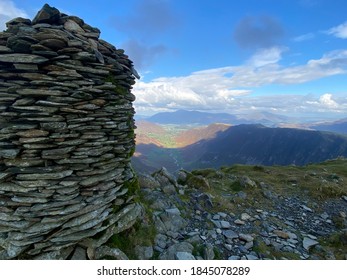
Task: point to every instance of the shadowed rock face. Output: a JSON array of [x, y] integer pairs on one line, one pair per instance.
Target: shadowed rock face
[[66, 137]]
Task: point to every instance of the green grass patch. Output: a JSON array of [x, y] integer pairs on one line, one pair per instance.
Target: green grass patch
[[269, 252]]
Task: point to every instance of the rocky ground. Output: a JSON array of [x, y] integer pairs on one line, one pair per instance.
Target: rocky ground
[[225, 214]]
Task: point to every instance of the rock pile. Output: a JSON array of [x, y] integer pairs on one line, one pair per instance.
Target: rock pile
[[190, 223], [66, 137]]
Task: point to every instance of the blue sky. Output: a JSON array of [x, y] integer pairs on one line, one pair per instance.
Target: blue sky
[[286, 57]]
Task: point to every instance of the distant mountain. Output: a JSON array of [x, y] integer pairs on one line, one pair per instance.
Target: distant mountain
[[192, 117], [182, 117], [265, 118], [339, 126], [257, 144]]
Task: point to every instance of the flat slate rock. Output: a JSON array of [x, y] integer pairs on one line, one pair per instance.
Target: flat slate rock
[[22, 58]]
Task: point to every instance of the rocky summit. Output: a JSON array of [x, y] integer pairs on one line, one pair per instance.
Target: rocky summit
[[66, 138], [242, 212]]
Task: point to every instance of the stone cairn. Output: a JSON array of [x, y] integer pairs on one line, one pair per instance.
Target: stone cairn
[[66, 138]]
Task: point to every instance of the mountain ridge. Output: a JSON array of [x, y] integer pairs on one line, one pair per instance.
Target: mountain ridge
[[257, 144], [339, 126], [249, 144], [181, 117]]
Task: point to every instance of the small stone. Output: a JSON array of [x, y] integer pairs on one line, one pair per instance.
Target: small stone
[[216, 223], [105, 251], [246, 237], [184, 256], [26, 67], [324, 216], [60, 151], [281, 234], [312, 236], [239, 222], [54, 125], [222, 215], [169, 189], [54, 44], [292, 235], [225, 224], [170, 252], [18, 20], [9, 153], [251, 257], [40, 92], [4, 49], [234, 258], [242, 195], [85, 56], [306, 208], [22, 58], [47, 14], [79, 254], [245, 217], [45, 176], [230, 234], [73, 27], [20, 44], [33, 133], [144, 252], [173, 211], [18, 162], [216, 217], [247, 182], [249, 245], [308, 243]]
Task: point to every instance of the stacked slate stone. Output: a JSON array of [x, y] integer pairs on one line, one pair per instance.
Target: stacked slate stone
[[66, 137]]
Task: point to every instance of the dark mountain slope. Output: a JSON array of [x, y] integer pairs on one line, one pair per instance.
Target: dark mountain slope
[[257, 144], [339, 126]]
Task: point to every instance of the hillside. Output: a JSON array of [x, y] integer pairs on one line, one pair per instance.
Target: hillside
[[157, 145], [257, 144], [149, 133], [242, 212], [175, 136], [243, 144], [339, 126]]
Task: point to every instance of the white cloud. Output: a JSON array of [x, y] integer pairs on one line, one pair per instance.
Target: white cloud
[[327, 100], [8, 11], [328, 103], [304, 37], [339, 31], [229, 88], [266, 56]]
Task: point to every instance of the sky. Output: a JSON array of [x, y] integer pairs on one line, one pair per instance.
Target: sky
[[287, 57]]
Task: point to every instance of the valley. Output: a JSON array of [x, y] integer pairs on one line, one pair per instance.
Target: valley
[[192, 142]]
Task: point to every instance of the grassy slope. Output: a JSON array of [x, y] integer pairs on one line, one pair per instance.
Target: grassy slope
[[318, 181]]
